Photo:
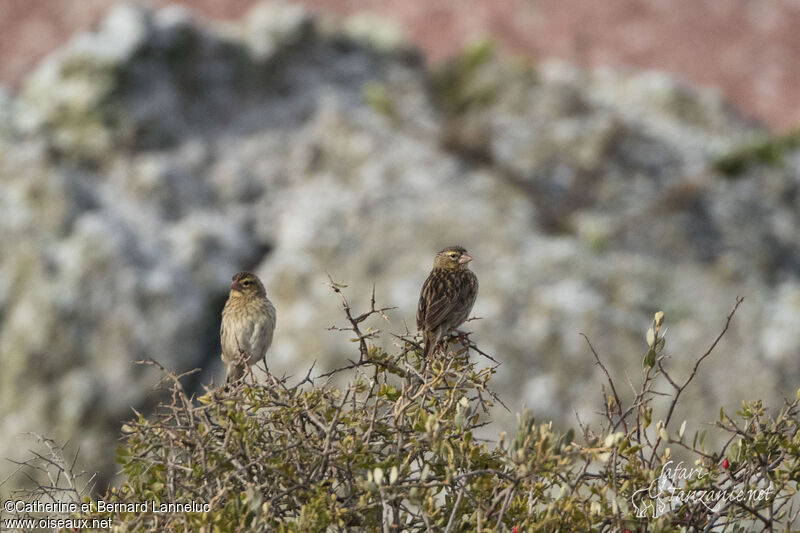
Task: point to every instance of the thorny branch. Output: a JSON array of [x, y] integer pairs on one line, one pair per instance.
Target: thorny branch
[[396, 449]]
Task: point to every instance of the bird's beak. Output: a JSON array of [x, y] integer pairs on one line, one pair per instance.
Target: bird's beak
[[235, 287], [465, 258]]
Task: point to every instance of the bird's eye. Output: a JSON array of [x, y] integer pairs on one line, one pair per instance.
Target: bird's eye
[[453, 255], [245, 283]]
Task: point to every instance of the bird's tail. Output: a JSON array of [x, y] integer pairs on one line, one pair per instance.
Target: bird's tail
[[430, 343]]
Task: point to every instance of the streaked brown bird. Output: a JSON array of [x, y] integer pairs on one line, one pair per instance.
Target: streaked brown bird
[[248, 322], [447, 296]]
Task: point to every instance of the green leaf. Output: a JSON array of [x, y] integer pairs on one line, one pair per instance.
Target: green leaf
[[649, 359]]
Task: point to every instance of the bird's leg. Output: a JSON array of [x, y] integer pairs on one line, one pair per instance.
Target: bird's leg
[[440, 344], [249, 372]]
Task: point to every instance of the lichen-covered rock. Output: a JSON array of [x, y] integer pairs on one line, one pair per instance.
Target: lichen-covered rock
[[145, 163]]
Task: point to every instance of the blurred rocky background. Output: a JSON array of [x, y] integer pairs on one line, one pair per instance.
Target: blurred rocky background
[[147, 160], [746, 48]]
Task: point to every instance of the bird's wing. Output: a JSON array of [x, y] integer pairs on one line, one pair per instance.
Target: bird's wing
[[422, 305], [266, 329], [470, 288], [436, 302]]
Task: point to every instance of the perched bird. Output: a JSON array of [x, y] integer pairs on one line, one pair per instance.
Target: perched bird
[[248, 322], [447, 296]]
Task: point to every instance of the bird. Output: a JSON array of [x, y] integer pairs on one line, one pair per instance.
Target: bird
[[447, 296], [248, 323]]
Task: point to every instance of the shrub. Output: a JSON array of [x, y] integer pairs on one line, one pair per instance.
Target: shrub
[[396, 450]]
